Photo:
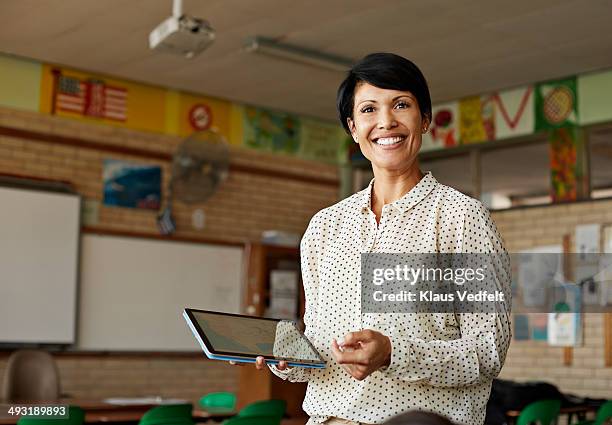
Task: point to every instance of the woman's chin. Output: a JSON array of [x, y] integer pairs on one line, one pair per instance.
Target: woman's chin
[[390, 165]]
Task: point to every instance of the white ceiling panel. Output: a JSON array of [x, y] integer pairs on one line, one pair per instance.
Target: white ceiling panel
[[464, 47]]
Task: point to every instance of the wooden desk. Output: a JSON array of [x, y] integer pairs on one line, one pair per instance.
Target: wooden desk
[[99, 412], [579, 411]]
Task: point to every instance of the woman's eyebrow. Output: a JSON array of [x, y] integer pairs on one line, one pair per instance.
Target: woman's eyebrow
[[393, 100], [364, 101], [404, 95]]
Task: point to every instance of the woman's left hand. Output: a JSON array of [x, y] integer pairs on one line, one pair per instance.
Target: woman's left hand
[[361, 353]]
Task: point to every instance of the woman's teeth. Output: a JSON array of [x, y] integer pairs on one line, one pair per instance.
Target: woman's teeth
[[389, 140]]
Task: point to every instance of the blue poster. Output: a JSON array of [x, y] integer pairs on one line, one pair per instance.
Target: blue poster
[[132, 185]]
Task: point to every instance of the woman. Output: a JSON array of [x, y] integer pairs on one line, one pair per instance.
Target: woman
[[380, 365]]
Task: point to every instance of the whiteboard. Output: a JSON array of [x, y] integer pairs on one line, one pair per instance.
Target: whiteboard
[[39, 243], [133, 291]]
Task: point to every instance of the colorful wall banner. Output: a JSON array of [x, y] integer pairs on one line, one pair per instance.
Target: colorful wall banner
[[514, 112], [476, 119], [444, 129], [30, 85], [556, 104]]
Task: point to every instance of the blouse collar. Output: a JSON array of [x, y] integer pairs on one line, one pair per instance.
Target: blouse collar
[[406, 202]]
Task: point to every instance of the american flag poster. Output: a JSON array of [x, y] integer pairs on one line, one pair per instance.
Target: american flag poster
[[90, 98]]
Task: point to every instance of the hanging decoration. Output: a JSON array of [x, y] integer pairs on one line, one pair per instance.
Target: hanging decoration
[[564, 166]]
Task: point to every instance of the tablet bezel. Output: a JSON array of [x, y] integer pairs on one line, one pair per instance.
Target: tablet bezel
[[214, 354]]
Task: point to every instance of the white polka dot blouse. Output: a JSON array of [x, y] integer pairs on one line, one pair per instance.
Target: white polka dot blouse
[[443, 362]]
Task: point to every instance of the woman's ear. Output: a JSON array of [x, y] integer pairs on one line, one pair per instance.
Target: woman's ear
[[351, 126], [426, 122]]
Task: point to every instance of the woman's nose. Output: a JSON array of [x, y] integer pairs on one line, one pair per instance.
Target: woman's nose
[[386, 120]]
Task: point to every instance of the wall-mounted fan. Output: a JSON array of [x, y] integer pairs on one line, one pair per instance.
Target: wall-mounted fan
[[199, 166]]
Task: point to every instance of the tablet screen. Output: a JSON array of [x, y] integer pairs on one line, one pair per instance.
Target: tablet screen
[[251, 336]]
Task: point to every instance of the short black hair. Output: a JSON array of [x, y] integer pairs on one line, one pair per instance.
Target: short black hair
[[386, 71]]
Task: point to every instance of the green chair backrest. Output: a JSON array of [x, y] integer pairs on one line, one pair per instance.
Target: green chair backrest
[[76, 416], [604, 413], [171, 414], [264, 408], [214, 402], [253, 420], [543, 412]]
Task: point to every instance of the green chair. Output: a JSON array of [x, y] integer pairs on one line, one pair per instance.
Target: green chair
[[171, 414], [76, 416], [253, 420], [603, 414], [275, 408], [543, 412], [218, 402]]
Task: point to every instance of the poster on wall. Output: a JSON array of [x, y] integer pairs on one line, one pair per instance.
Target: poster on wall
[[539, 326], [477, 119], [556, 104], [443, 129], [514, 112], [323, 142], [538, 269], [521, 327], [132, 185], [271, 131], [565, 324]]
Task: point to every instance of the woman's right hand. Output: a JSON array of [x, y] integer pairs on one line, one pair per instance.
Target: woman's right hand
[[260, 363]]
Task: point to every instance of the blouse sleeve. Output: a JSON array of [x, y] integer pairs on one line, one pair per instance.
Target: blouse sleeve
[[308, 258], [479, 354]]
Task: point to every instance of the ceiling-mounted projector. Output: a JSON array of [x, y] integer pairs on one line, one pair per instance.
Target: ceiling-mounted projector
[[181, 34]]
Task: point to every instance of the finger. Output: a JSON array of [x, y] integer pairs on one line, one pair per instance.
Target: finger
[[260, 362], [335, 349], [342, 348], [357, 357], [282, 365], [354, 338]]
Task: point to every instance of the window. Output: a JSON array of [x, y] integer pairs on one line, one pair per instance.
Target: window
[[600, 156], [516, 175]]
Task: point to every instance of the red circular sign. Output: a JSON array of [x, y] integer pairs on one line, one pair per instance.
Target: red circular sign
[[200, 116]]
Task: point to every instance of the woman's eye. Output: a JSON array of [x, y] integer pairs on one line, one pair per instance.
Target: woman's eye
[[402, 105], [367, 109]]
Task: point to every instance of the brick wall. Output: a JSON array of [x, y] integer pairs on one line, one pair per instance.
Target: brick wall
[[246, 204], [535, 360]]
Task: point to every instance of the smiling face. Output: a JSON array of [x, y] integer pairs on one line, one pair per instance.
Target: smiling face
[[388, 126]]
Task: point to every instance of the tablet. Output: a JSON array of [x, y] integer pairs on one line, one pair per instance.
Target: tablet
[[239, 338]]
